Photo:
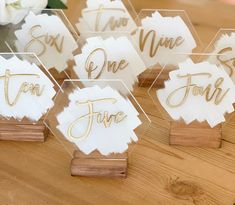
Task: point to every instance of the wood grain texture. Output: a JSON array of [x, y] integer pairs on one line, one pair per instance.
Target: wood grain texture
[[195, 134], [158, 174], [14, 130], [97, 165]]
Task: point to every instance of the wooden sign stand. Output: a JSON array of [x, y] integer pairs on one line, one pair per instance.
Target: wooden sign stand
[[195, 134], [13, 130], [97, 165]]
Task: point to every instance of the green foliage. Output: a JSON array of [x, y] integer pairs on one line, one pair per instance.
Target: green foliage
[[56, 4]]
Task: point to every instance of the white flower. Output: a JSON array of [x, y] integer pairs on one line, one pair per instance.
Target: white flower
[[13, 11]]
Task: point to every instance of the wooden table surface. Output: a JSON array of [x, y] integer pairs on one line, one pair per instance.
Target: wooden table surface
[[38, 173]]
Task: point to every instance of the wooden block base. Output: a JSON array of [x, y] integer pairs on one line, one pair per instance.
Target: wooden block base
[[97, 165], [195, 135], [13, 130]]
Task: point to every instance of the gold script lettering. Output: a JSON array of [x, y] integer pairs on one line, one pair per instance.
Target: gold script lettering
[[226, 62], [154, 46], [32, 89], [111, 66], [217, 94], [104, 118], [111, 22], [43, 40]]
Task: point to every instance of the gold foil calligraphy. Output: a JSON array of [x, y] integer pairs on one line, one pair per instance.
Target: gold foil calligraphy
[[25, 87], [155, 44], [42, 41], [97, 70], [110, 23], [213, 93], [229, 62], [101, 118]]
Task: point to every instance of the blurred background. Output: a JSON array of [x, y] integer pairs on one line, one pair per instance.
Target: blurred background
[[207, 16]]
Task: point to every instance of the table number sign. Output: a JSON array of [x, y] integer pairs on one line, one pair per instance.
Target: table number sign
[[198, 92], [111, 58], [224, 47], [160, 37], [99, 119], [47, 37], [26, 92], [105, 15], [98, 123]]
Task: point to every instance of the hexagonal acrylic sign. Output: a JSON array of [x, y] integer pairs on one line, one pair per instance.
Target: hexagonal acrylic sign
[[105, 16], [27, 93], [108, 57], [223, 45], [161, 34], [96, 115], [196, 97], [49, 35], [23, 84]]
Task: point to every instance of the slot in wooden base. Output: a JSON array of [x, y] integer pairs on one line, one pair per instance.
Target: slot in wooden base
[[195, 135], [147, 78], [97, 165], [13, 130], [59, 77]]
